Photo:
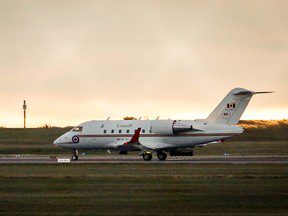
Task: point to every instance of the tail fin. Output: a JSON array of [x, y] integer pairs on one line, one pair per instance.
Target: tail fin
[[231, 108]]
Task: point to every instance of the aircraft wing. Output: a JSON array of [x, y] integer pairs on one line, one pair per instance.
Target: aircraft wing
[[214, 142], [132, 144], [135, 145], [135, 137]]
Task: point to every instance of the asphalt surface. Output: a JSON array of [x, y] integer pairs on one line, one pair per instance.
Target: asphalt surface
[[136, 159]]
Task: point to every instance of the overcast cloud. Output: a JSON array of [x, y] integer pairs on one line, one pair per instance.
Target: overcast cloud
[[80, 60]]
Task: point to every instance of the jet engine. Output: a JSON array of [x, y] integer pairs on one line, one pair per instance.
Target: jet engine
[[170, 127]]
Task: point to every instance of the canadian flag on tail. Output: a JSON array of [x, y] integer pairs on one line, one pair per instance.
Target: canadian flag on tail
[[231, 105]]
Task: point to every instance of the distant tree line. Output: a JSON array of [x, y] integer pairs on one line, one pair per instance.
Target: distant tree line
[[129, 118]]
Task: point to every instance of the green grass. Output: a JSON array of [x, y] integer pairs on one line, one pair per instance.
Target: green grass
[[255, 141], [245, 148], [144, 189], [279, 148], [30, 140], [261, 130]]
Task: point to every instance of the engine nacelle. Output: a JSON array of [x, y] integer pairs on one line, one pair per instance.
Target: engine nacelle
[[181, 126], [163, 127], [170, 127]]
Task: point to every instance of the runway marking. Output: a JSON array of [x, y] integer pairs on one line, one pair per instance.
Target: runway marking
[[138, 160]]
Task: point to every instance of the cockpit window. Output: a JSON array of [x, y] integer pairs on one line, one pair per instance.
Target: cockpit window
[[78, 128]]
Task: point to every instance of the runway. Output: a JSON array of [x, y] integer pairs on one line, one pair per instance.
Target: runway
[[115, 159]]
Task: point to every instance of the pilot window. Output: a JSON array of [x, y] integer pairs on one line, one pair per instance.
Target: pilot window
[[112, 131], [105, 131], [120, 131], [127, 131], [143, 130], [78, 128]]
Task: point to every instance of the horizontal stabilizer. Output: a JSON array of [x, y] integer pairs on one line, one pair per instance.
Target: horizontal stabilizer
[[265, 92], [241, 93]]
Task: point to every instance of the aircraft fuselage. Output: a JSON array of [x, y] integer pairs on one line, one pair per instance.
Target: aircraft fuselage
[[161, 135], [113, 134]]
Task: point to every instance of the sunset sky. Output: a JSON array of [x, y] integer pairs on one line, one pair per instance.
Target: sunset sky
[[81, 60]]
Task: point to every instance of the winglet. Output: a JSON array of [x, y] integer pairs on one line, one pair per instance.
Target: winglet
[[135, 137]]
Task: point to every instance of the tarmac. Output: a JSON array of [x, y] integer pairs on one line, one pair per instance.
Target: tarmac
[[134, 159]]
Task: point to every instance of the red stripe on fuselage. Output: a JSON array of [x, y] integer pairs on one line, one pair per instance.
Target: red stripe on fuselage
[[157, 135]]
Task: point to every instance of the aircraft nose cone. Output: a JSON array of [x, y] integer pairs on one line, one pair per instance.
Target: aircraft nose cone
[[56, 142]]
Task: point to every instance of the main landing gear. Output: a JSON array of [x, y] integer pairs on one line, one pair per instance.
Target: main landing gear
[[161, 156], [147, 156], [75, 155]]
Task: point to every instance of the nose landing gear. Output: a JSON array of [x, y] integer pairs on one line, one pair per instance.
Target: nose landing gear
[[75, 155]]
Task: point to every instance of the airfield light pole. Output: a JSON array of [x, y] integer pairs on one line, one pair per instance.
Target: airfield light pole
[[24, 109]]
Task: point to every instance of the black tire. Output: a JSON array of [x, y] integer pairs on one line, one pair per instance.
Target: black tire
[[147, 157], [123, 152], [74, 158], [162, 156]]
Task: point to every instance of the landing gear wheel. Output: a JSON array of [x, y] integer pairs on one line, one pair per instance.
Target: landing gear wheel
[[74, 158], [147, 157], [162, 156]]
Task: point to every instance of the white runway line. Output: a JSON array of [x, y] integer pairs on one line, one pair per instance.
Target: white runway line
[[114, 159]]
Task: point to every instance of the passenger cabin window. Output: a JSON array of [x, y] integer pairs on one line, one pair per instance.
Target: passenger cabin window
[[105, 131], [127, 131], [112, 131], [120, 131], [78, 128], [143, 130]]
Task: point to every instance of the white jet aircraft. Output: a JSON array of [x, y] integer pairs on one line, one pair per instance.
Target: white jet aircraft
[[178, 137]]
